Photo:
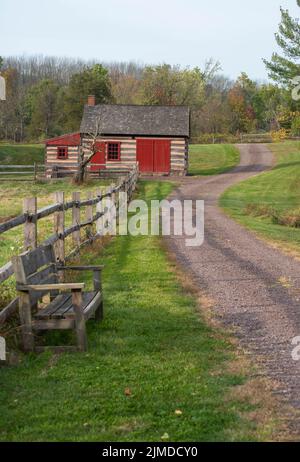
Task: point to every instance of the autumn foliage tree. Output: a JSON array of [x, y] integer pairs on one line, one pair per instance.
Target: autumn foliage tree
[[171, 85]]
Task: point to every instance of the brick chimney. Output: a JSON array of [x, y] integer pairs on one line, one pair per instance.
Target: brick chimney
[[91, 100]]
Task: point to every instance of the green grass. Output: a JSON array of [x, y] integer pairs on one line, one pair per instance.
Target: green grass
[[260, 201], [152, 342], [212, 159], [21, 154]]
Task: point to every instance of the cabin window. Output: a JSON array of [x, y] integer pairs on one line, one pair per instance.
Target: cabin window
[[62, 152], [113, 151]]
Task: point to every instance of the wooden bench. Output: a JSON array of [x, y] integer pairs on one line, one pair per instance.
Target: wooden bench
[[37, 274]]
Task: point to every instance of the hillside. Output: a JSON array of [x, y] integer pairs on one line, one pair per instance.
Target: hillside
[[21, 154]]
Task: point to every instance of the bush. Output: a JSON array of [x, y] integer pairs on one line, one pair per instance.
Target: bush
[[295, 128], [215, 138], [279, 135], [260, 210], [290, 218]]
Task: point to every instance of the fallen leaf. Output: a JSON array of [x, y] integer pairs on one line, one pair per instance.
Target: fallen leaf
[[165, 437], [127, 392], [285, 282]]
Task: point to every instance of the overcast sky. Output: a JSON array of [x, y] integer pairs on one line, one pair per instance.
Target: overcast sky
[[236, 32]]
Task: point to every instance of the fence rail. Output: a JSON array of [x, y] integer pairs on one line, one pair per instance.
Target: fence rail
[[21, 172], [31, 215], [37, 171]]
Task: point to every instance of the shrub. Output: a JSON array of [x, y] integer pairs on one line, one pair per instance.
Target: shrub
[[295, 128], [279, 135], [290, 218], [260, 210], [215, 138]]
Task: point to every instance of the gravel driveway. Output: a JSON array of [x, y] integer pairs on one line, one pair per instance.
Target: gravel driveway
[[243, 276]]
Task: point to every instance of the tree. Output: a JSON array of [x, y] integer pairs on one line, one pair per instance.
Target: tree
[[92, 148], [213, 117], [126, 90], [8, 114], [42, 109], [92, 81], [171, 85], [267, 102], [284, 68], [295, 128], [243, 116]]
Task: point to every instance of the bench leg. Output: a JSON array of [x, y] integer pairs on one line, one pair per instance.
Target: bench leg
[[98, 288], [26, 321], [99, 313], [79, 320]]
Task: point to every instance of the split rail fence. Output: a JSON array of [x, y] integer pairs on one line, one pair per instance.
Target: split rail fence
[[36, 172], [102, 218]]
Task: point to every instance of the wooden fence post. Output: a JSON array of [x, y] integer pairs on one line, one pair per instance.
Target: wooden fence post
[[99, 209], [108, 212], [112, 214], [122, 208], [76, 218], [59, 227], [89, 216], [30, 226]]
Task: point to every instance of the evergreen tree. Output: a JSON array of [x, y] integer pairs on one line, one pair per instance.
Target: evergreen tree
[[284, 68]]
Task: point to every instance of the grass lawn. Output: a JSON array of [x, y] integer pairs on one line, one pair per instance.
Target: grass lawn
[[212, 159], [269, 203], [21, 154], [152, 356]]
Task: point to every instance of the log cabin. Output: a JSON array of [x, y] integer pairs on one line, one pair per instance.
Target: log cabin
[[154, 136]]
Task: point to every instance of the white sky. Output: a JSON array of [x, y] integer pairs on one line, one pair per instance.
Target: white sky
[[239, 33]]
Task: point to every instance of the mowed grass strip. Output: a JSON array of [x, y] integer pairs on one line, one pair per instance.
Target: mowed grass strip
[[273, 197], [153, 355], [212, 159]]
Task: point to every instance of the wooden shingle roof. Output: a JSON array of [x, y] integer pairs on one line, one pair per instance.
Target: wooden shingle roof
[[133, 120]]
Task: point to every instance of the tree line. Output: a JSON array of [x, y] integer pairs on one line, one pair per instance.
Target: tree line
[[45, 95]]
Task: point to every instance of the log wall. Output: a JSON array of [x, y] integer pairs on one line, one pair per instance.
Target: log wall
[[179, 154]]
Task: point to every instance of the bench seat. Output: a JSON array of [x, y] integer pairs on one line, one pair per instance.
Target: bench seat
[[39, 274], [61, 307]]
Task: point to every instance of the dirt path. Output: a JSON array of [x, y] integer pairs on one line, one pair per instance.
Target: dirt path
[[242, 275]]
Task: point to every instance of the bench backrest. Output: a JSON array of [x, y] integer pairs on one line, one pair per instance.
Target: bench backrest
[[36, 267]]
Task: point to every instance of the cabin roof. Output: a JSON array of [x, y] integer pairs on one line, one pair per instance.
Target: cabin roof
[[133, 120], [70, 139]]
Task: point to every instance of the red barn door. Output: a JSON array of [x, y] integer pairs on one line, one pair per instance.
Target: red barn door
[[153, 155], [144, 155], [98, 157], [162, 156]]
